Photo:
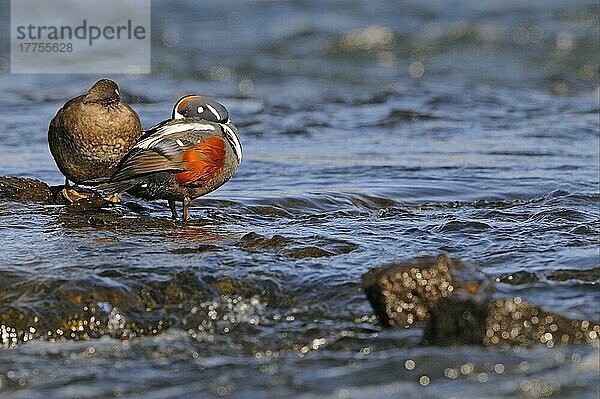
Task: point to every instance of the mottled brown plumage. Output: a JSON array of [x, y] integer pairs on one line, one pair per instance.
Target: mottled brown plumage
[[91, 133]]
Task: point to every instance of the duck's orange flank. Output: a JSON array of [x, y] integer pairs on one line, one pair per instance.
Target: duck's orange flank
[[203, 161]]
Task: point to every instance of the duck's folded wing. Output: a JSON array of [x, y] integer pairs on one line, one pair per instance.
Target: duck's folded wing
[[139, 162], [191, 163]]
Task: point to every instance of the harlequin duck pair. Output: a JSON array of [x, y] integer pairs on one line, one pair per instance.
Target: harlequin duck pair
[[185, 157]]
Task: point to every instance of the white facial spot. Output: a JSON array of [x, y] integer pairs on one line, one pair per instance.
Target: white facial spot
[[179, 142], [178, 115], [200, 110]]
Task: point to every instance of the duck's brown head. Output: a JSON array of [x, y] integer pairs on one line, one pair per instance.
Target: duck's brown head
[[103, 91]]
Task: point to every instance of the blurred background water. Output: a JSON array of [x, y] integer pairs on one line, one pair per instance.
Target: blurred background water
[[373, 131]]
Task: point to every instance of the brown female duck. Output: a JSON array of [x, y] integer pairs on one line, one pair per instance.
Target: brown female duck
[[91, 133]]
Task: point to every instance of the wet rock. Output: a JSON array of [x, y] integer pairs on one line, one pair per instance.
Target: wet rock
[[397, 116], [80, 198], [78, 311], [310, 252], [404, 293], [32, 190], [184, 289], [309, 247], [395, 212], [454, 299], [518, 278], [76, 218], [462, 226], [524, 277], [590, 275], [25, 190], [269, 210], [464, 320], [372, 202], [257, 241], [196, 250]]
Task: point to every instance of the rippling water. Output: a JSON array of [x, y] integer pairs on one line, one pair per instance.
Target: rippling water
[[373, 131]]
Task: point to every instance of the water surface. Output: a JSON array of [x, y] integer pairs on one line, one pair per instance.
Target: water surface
[[373, 132]]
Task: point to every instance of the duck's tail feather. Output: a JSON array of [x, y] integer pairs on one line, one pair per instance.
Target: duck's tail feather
[[117, 186], [95, 182]]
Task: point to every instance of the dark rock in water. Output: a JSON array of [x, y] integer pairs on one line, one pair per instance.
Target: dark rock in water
[[79, 311], [296, 248], [404, 293], [518, 278], [253, 241], [465, 323], [524, 277], [114, 220], [454, 299], [590, 275], [32, 190], [196, 250], [25, 190], [81, 199], [464, 320]]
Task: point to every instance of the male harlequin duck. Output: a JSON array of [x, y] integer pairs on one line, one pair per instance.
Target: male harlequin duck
[[187, 156], [91, 133]]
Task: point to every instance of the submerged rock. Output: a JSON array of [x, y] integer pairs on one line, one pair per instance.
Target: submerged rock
[[463, 320], [125, 308], [25, 190], [76, 218], [310, 247], [405, 292], [525, 277]]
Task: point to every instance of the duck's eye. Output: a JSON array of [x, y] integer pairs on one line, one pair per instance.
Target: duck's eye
[[200, 110]]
